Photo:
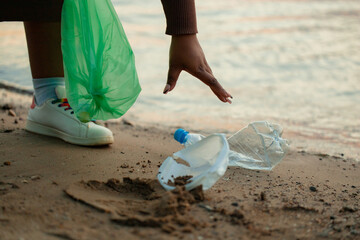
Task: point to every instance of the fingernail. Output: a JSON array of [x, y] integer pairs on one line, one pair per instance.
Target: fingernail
[[166, 89], [227, 99]]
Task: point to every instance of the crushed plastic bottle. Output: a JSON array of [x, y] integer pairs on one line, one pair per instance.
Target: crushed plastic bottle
[[258, 146]]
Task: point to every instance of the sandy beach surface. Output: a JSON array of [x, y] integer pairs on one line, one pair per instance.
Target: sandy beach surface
[[53, 190]]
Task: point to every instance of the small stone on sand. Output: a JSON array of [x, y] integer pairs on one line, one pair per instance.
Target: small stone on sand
[[12, 113]]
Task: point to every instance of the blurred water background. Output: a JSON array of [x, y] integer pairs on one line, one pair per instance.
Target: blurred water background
[[294, 62]]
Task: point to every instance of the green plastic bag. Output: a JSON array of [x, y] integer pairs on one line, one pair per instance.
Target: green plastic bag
[[99, 64]]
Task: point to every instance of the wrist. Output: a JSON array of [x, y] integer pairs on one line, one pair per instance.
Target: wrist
[[184, 38], [181, 36]]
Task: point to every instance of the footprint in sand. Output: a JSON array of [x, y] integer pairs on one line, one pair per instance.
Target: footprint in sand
[[140, 202]]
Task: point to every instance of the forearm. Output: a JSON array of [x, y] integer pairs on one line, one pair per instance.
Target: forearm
[[180, 16]]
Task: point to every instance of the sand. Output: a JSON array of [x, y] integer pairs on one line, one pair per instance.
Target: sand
[[53, 190]]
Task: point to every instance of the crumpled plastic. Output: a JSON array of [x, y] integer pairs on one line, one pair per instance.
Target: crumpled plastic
[[206, 161], [259, 146], [99, 64]]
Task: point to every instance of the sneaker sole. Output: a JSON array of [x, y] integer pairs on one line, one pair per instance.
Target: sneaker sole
[[48, 131]]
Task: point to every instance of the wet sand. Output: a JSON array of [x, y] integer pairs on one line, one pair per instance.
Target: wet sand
[[53, 190]]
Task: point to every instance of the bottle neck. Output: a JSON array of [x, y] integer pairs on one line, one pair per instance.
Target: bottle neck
[[181, 135]]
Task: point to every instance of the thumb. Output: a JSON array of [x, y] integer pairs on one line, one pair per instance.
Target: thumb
[[173, 75]]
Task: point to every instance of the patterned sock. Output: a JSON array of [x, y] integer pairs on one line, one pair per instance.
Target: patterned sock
[[45, 88]]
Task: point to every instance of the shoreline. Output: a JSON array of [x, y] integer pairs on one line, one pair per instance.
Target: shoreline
[[15, 94], [16, 88]]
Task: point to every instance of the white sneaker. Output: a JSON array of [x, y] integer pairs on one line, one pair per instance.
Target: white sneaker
[[56, 118]]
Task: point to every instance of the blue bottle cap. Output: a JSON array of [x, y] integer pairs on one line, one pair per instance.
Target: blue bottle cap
[[180, 135]]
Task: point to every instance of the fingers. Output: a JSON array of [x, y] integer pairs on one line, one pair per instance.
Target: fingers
[[206, 77], [173, 75]]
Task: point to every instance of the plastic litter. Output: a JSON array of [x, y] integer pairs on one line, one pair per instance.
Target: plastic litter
[[205, 160], [187, 138], [99, 65], [258, 146]]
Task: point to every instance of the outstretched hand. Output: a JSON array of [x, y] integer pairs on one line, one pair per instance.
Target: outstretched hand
[[186, 54]]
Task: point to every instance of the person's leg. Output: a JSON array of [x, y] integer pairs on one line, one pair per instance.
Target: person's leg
[[44, 47], [50, 114]]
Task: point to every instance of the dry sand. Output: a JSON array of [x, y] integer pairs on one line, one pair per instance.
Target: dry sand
[[53, 190]]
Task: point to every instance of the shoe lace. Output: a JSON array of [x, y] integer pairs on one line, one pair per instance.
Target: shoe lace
[[63, 102]]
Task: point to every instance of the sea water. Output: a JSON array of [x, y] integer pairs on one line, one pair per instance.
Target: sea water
[[296, 63]]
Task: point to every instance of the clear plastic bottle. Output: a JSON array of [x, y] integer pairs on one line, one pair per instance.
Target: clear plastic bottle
[[258, 146]]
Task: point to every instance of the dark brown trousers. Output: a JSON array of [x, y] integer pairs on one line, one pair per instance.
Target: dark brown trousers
[[31, 10]]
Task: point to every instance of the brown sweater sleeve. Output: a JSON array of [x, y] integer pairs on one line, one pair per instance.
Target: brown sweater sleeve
[[180, 16]]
